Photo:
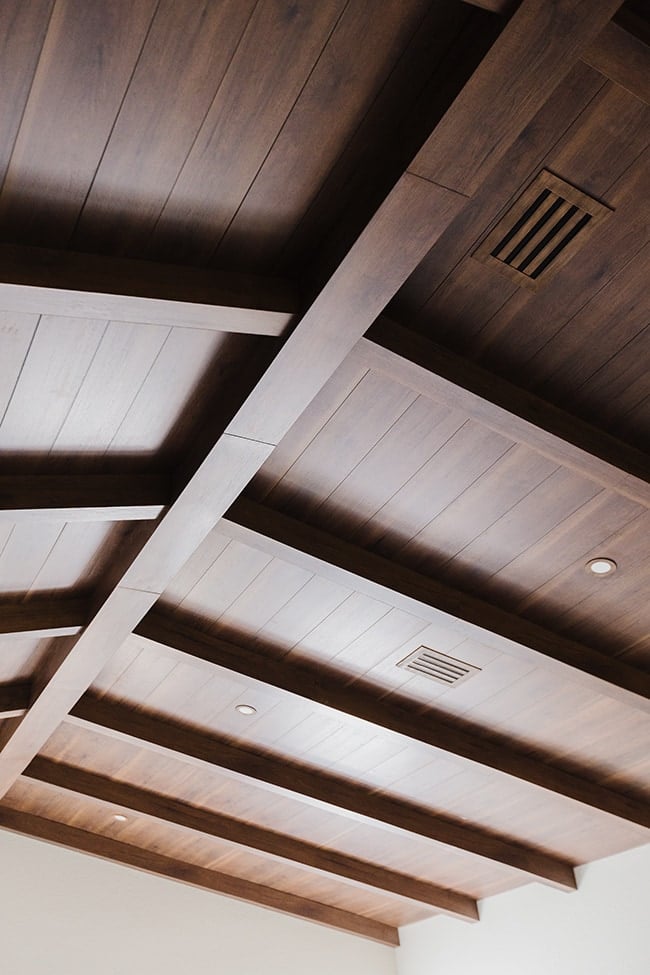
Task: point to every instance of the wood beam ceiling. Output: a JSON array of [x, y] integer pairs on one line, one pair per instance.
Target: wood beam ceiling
[[309, 785], [281, 536], [316, 685], [14, 699], [43, 616], [36, 280], [164, 866], [330, 862], [90, 497]]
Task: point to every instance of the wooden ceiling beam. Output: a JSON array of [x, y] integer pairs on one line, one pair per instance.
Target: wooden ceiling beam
[[321, 687], [14, 699], [435, 372], [39, 281], [623, 58], [312, 786], [330, 862], [149, 861], [84, 497], [43, 616], [334, 558]]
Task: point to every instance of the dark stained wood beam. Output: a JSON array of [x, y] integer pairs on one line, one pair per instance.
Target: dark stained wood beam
[[276, 845], [84, 497], [14, 699], [414, 361], [37, 281], [623, 58], [534, 52], [279, 535], [316, 685], [43, 617], [107, 848], [321, 788]]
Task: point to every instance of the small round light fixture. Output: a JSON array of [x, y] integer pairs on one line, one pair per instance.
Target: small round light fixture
[[601, 567], [246, 709], [119, 818]]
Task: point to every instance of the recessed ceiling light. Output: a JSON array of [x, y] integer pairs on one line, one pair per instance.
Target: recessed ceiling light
[[601, 567], [119, 818], [246, 709]]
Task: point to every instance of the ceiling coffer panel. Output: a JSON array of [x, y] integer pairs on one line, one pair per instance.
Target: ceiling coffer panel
[[550, 222]]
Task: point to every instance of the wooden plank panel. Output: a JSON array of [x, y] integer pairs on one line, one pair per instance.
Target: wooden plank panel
[[19, 656], [249, 109], [66, 283], [318, 686], [318, 787], [334, 558], [86, 63], [191, 817], [462, 153], [181, 66], [91, 497], [25, 552], [622, 58], [126, 853]]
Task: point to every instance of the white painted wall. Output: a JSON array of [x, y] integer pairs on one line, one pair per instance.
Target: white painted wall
[[602, 929], [64, 913]]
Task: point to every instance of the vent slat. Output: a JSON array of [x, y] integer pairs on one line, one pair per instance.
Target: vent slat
[[438, 666], [547, 225]]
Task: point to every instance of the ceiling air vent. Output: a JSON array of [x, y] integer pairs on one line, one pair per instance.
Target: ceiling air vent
[[438, 666], [544, 229]]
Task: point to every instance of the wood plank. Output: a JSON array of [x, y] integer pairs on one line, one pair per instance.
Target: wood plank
[[35, 279], [44, 617], [317, 787], [523, 67], [252, 837], [88, 497], [623, 58], [411, 359], [164, 866], [14, 699], [317, 685], [281, 536]]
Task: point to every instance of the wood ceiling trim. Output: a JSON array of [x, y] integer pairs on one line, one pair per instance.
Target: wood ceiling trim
[[87, 497], [316, 685], [43, 617], [14, 699], [249, 836], [414, 361], [115, 719], [65, 283], [623, 58], [147, 860], [279, 535]]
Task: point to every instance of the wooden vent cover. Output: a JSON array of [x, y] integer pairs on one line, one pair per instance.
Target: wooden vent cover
[[438, 666], [545, 228]]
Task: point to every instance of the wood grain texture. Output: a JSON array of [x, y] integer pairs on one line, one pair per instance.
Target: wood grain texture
[[35, 279], [623, 58], [315, 684], [278, 534], [14, 699], [90, 497], [499, 405], [222, 883], [539, 46], [44, 617], [147, 803], [323, 789]]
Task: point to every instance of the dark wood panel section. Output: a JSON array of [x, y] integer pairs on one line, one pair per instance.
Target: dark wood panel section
[[44, 617], [315, 684], [278, 534], [434, 371], [461, 153], [623, 58], [88, 286], [14, 699], [110, 849], [245, 834], [88, 497], [324, 789]]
